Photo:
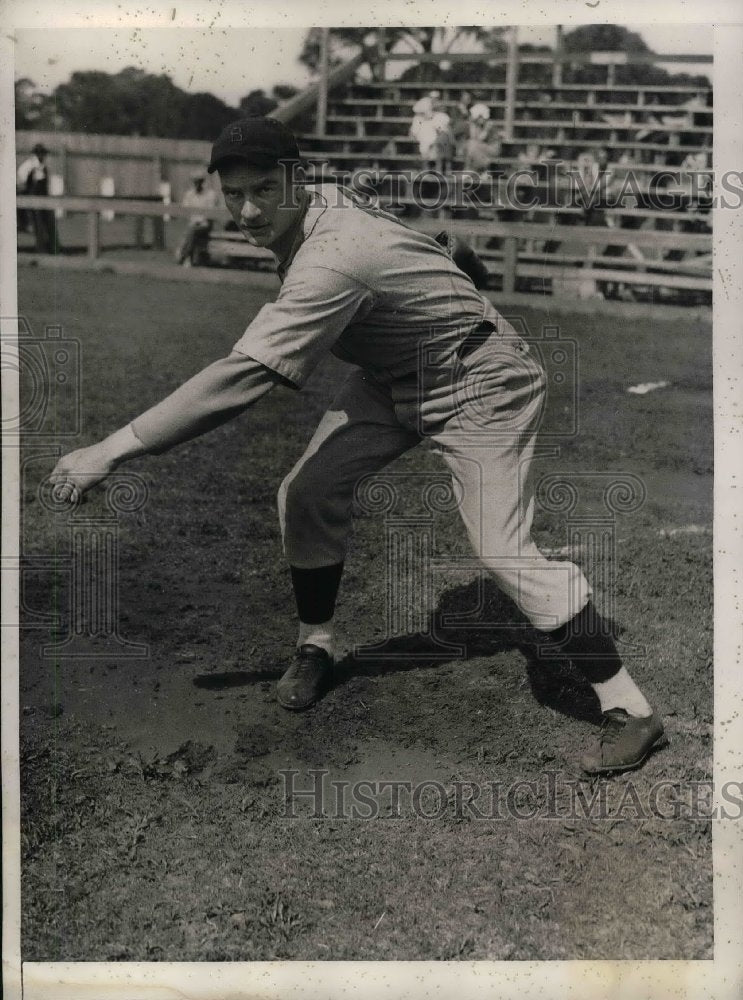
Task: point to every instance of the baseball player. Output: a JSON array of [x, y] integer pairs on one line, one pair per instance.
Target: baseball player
[[434, 362]]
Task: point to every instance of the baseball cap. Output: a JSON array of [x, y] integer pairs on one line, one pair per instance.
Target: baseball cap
[[262, 142]]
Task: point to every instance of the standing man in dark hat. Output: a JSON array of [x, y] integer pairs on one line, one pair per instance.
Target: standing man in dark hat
[[33, 178]]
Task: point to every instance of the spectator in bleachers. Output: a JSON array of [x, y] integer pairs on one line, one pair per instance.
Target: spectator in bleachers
[[460, 124], [695, 179], [651, 136], [463, 105], [529, 155], [431, 128], [483, 144], [592, 187], [199, 226], [32, 177]]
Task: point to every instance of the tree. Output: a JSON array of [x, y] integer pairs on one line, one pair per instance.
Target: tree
[[344, 43], [257, 102], [604, 38], [133, 102], [204, 116], [615, 38], [284, 91], [32, 108], [90, 101]]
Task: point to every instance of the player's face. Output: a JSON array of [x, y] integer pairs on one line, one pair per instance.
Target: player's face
[[261, 202]]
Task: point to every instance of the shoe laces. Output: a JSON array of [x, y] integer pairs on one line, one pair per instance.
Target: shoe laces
[[307, 663], [612, 726]]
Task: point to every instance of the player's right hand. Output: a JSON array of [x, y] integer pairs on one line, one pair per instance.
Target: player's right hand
[[79, 471]]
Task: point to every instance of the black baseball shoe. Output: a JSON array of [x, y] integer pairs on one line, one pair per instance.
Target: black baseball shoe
[[624, 743], [307, 679]]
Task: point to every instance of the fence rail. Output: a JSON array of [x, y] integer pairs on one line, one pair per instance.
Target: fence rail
[[512, 260]]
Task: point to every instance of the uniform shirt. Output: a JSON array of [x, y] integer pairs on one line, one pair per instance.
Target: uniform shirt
[[356, 282], [366, 287]]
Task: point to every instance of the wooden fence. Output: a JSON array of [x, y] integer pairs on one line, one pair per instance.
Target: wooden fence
[[137, 165], [512, 260]]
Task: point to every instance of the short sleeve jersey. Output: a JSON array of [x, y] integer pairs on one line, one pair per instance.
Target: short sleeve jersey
[[364, 286]]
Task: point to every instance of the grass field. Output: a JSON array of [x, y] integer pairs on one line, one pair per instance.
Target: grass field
[[154, 819]]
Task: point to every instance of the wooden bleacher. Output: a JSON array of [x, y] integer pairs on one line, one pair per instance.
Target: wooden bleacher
[[649, 129], [565, 243], [369, 124]]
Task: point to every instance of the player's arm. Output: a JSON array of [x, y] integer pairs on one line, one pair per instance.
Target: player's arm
[[212, 397], [283, 344]]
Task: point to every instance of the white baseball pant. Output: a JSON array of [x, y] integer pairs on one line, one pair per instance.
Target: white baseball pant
[[482, 413]]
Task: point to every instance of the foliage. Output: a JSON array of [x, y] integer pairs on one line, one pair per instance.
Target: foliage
[[257, 102], [604, 38], [32, 109], [133, 102], [345, 42], [615, 38]]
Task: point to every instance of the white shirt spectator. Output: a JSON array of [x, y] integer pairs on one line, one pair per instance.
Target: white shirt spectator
[[33, 168]]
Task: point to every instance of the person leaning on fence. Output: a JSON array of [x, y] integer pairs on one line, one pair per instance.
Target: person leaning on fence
[[199, 226], [32, 177]]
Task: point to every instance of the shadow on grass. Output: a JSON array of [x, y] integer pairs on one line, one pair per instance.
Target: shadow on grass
[[477, 620], [470, 621], [232, 679]]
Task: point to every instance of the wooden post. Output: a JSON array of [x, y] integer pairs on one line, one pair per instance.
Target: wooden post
[[557, 65], [322, 91], [64, 169], [158, 232], [381, 71], [512, 73], [510, 257], [94, 234]]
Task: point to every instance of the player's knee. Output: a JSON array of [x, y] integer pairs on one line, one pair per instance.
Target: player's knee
[[300, 495]]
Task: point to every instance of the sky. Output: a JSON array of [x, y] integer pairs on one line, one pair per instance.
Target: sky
[[229, 62]]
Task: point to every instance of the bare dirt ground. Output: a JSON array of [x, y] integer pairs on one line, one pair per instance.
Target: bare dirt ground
[[155, 822]]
